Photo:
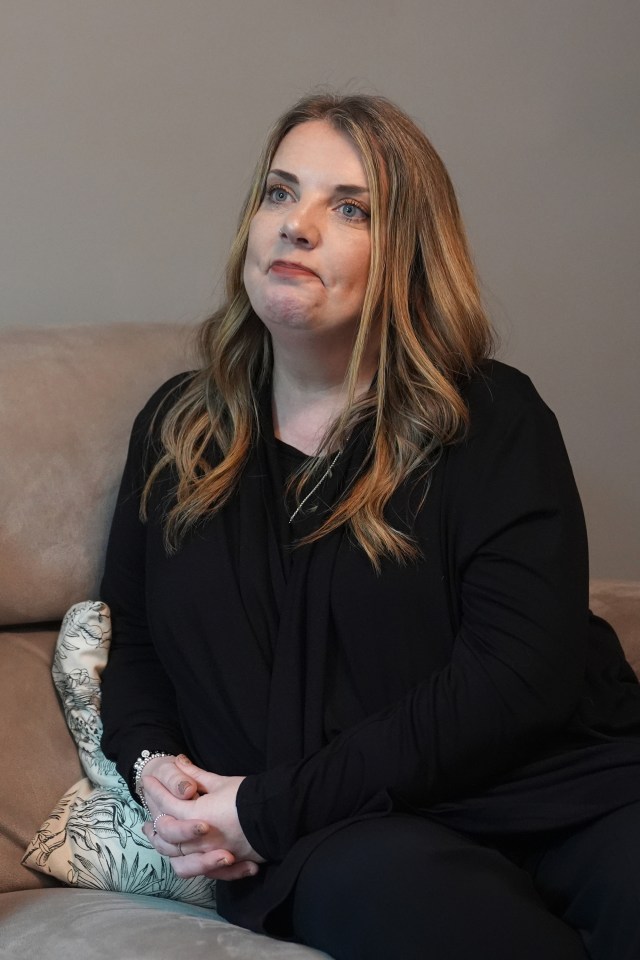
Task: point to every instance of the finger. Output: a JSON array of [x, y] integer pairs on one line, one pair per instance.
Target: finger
[[175, 780], [153, 824], [158, 797], [212, 865], [239, 871], [197, 843], [173, 837], [204, 778], [151, 828], [183, 831], [215, 854], [175, 831]]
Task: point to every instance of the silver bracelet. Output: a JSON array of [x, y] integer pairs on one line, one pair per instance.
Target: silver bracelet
[[138, 767]]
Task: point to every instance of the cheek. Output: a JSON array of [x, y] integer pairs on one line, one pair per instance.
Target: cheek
[[256, 241], [252, 243], [358, 269], [251, 270]]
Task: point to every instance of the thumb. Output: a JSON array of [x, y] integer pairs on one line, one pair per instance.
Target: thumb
[[204, 778]]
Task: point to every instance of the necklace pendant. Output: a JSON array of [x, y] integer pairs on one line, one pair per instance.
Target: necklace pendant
[[325, 476]]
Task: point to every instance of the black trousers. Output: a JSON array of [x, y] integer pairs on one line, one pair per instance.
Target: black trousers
[[405, 888]]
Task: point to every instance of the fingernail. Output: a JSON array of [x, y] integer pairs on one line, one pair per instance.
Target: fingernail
[[250, 872], [202, 828], [183, 786], [224, 862], [183, 758]]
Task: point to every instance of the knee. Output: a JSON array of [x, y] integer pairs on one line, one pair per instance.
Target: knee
[[591, 879], [359, 894], [380, 889]]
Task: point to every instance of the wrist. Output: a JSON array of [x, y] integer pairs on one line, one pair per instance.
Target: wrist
[[144, 764]]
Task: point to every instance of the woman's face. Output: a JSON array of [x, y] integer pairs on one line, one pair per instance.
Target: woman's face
[[309, 243]]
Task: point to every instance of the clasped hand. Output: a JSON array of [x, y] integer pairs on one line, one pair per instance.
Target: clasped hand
[[200, 831]]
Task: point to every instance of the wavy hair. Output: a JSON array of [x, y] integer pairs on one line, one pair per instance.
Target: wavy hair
[[422, 303]]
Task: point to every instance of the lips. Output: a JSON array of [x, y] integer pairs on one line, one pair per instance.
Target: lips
[[289, 268]]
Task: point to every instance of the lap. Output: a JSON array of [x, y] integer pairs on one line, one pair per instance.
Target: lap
[[591, 877], [405, 886]]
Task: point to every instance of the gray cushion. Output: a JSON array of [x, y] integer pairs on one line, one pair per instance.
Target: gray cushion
[[71, 924]]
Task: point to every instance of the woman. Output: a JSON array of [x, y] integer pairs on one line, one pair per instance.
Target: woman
[[348, 577]]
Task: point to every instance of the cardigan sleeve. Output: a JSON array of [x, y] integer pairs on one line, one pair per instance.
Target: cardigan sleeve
[[138, 705], [514, 537]]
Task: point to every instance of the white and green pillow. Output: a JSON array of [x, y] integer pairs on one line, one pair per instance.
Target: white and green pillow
[[93, 838]]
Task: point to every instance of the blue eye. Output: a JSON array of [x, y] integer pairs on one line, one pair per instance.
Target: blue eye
[[352, 211], [277, 194]]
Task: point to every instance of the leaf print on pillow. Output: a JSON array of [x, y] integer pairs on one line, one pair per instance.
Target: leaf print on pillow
[[93, 837]]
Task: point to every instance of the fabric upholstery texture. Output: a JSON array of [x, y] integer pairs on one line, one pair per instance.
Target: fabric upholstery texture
[[618, 601], [95, 925], [40, 760], [68, 397]]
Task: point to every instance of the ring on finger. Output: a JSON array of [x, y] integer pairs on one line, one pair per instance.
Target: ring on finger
[[155, 822], [182, 853]]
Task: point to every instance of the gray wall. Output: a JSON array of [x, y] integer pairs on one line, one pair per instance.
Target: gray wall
[[129, 130]]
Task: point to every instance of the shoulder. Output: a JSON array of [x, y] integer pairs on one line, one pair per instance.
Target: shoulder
[[166, 394], [508, 481], [498, 395], [510, 427], [161, 401], [145, 445], [494, 384]]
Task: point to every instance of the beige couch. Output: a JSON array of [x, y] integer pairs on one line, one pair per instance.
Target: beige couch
[[67, 400]]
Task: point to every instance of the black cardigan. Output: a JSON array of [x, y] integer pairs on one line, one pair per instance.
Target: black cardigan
[[470, 686]]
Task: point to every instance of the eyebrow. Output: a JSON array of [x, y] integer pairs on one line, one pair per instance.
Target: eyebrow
[[351, 188]]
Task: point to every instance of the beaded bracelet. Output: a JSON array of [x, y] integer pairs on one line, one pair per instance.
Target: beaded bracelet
[[138, 767]]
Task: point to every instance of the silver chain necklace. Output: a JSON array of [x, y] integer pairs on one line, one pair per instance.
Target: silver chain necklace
[[325, 476]]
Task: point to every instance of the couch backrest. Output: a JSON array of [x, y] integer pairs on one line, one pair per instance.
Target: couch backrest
[[68, 397]]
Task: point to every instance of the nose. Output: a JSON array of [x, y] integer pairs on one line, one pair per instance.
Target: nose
[[300, 226]]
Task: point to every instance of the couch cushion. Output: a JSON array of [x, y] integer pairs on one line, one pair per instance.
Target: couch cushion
[[98, 925], [39, 757], [68, 397], [618, 601]]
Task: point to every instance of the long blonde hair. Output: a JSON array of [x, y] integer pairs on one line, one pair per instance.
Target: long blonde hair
[[422, 301]]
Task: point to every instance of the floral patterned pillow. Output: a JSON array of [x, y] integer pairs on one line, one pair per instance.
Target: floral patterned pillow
[[94, 836]]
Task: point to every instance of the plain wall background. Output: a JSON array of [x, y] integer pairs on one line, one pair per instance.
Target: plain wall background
[[129, 129]]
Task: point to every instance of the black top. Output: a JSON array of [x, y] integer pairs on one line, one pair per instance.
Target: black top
[[471, 686]]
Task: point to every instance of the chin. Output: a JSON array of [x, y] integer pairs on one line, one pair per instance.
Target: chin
[[285, 311]]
